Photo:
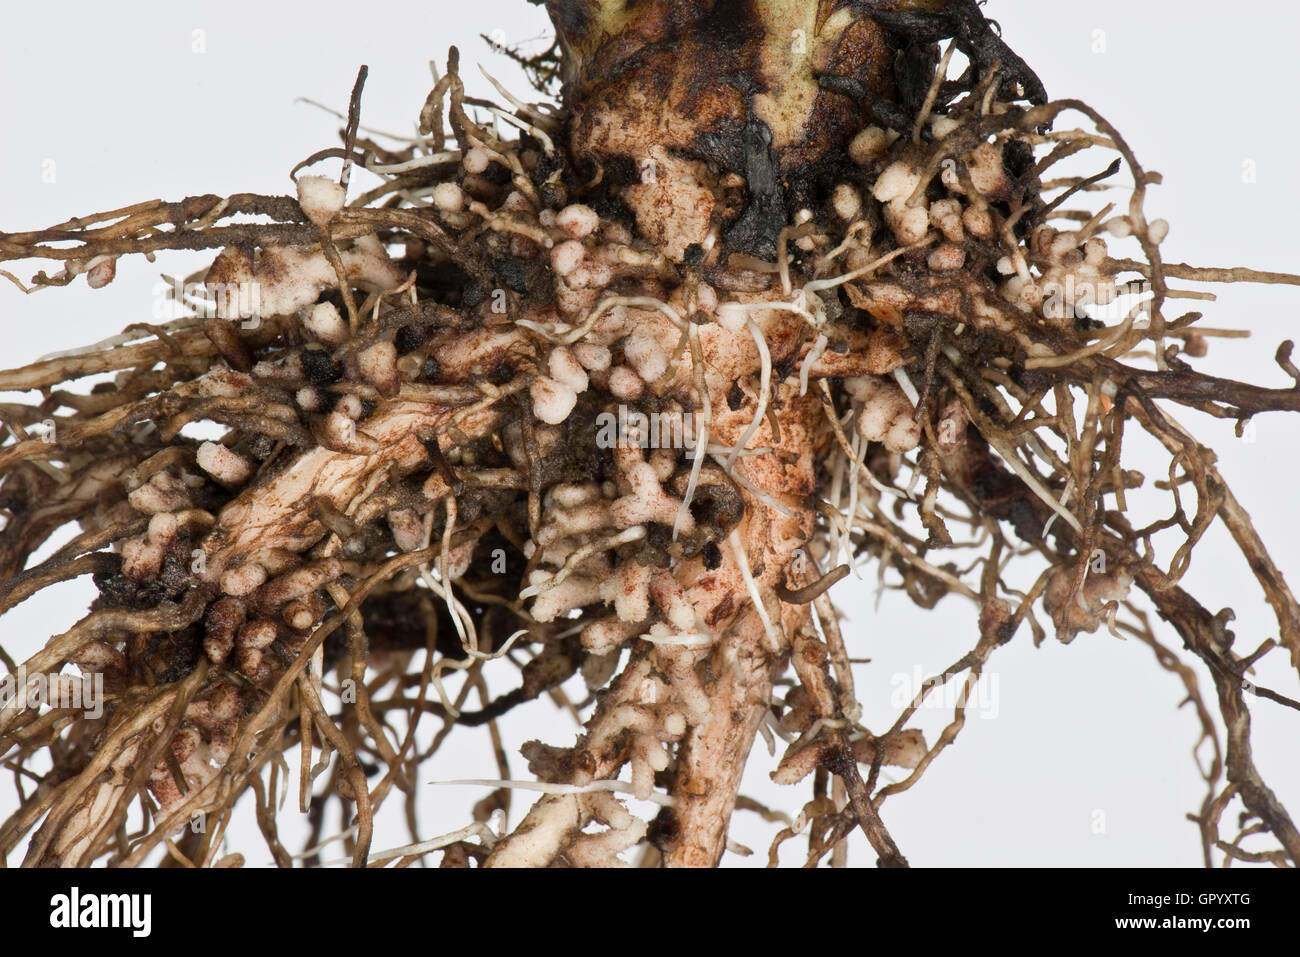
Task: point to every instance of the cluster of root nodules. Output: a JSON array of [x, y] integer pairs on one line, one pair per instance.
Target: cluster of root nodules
[[481, 437]]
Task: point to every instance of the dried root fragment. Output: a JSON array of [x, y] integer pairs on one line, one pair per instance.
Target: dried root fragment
[[616, 391]]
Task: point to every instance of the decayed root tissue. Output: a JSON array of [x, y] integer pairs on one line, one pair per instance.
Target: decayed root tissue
[[615, 391]]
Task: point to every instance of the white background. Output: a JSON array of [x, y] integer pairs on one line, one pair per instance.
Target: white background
[[128, 102]]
